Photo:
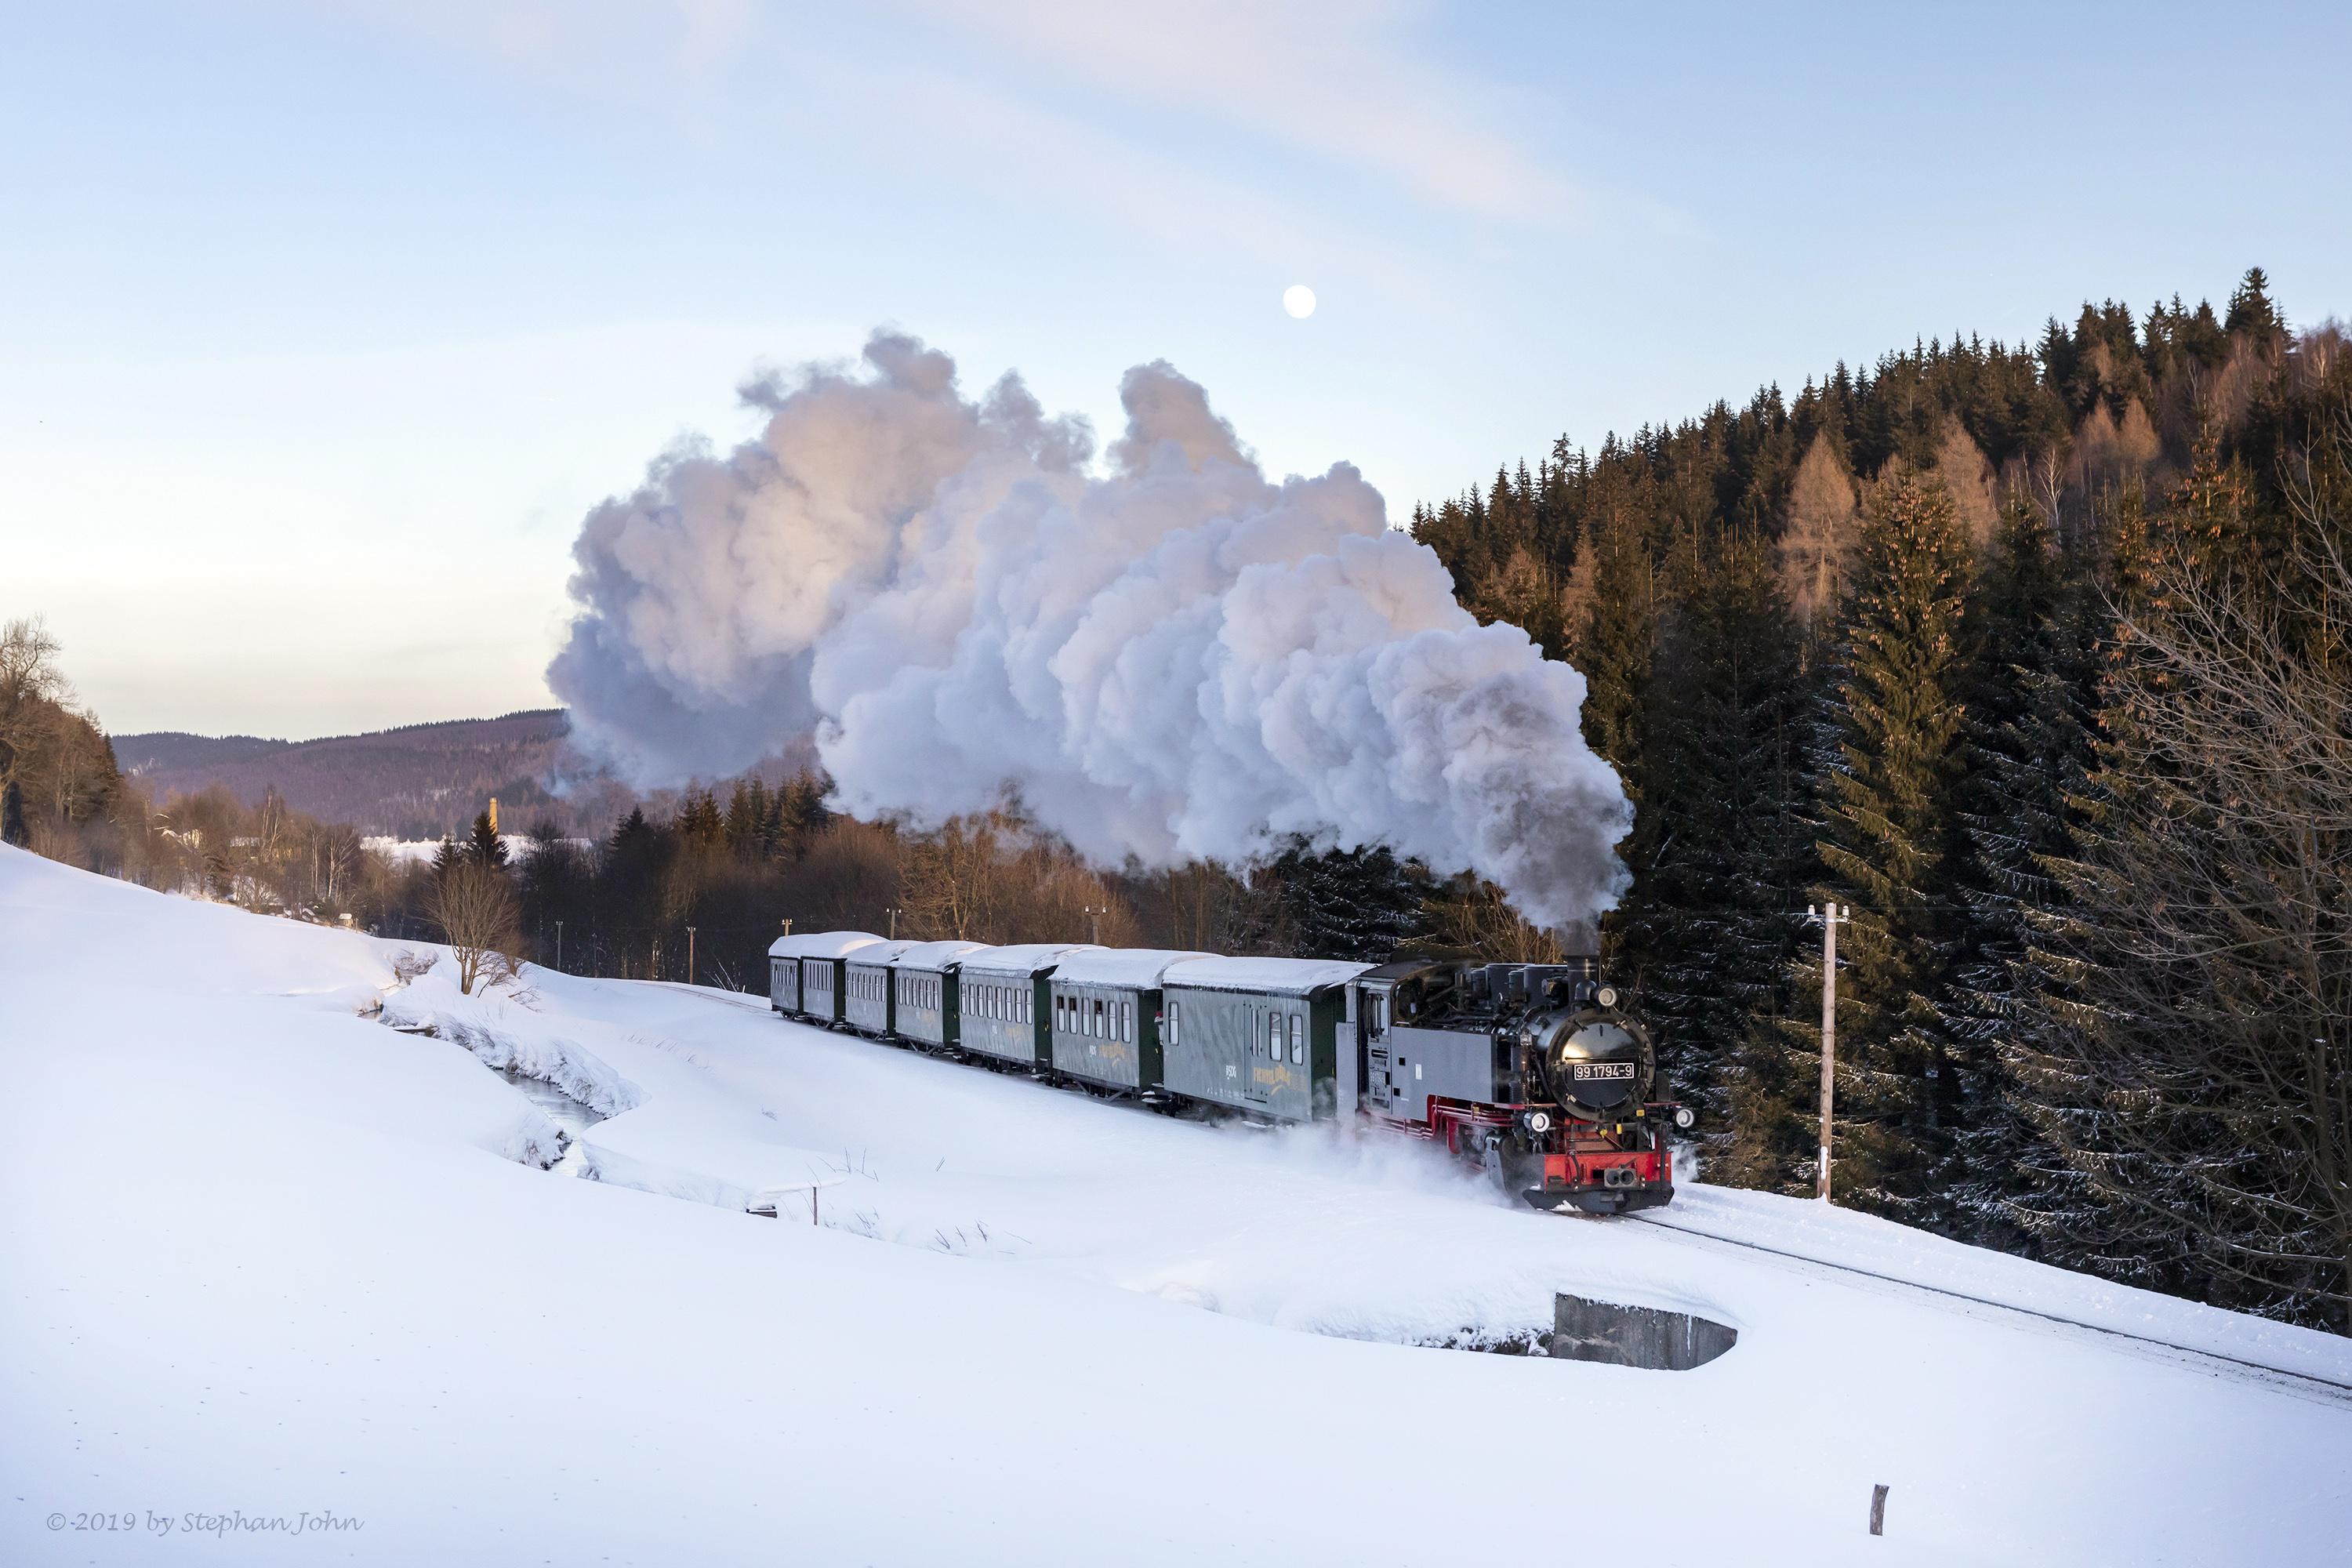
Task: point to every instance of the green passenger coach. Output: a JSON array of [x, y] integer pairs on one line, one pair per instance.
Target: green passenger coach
[[1002, 1009], [923, 980], [1105, 1015], [808, 975], [1261, 1035], [869, 1001]]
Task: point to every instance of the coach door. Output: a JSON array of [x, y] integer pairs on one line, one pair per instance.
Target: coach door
[[1379, 1066], [1265, 1026]]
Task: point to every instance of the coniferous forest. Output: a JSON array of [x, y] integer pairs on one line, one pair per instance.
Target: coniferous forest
[[2037, 658]]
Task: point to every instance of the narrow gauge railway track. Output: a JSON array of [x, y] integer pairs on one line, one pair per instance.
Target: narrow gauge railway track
[[2303, 1384]]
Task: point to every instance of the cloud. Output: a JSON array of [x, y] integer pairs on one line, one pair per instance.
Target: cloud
[[1353, 82]]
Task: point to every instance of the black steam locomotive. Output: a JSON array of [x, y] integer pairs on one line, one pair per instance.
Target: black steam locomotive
[[1531, 1071]]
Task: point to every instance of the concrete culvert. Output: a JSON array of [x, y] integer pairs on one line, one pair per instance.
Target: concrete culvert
[[1645, 1337]]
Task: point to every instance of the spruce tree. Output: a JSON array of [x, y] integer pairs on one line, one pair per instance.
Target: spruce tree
[[1354, 904], [483, 846], [1617, 641], [1704, 936], [2032, 733], [1893, 827]]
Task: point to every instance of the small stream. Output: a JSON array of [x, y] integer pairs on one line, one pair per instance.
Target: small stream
[[572, 1117]]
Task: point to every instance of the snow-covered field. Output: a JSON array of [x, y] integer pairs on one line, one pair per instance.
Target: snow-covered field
[[263, 1255]]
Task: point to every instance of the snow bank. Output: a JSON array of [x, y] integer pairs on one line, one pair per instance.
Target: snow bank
[[262, 1253], [502, 1033]]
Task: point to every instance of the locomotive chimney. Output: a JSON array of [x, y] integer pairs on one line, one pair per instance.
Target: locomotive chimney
[[1580, 950]]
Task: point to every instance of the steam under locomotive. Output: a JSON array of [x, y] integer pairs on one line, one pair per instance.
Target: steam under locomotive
[[1534, 1072]]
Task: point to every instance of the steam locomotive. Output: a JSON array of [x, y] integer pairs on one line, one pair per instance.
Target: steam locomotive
[[1533, 1072]]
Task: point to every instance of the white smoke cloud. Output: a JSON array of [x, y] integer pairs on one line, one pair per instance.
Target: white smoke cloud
[[1177, 660]]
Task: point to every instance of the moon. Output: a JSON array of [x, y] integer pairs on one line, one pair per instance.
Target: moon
[[1299, 301]]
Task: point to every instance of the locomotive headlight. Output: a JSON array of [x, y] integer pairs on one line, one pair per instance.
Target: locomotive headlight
[[1538, 1120], [1683, 1117], [1606, 996]]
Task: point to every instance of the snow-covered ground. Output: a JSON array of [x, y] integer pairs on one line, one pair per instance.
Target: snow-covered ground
[[268, 1250]]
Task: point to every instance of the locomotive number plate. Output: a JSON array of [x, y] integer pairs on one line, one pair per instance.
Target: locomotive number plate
[[1604, 1069]]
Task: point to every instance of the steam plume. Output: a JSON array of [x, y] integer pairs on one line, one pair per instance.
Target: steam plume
[[1177, 660]]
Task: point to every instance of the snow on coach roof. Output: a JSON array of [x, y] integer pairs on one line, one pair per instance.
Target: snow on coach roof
[[1027, 958], [889, 952], [937, 954], [821, 944], [1290, 976], [1139, 967]]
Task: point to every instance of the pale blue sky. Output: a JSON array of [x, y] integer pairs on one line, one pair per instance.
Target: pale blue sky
[[321, 326]]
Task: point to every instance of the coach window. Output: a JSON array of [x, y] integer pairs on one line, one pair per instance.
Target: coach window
[[1126, 1022], [1174, 1016], [1297, 1038]]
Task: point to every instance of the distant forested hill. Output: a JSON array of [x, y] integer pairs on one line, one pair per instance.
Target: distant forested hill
[[168, 751], [411, 783]]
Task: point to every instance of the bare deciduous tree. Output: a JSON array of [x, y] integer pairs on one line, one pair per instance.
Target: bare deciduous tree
[[2199, 1018], [1470, 914], [1824, 521], [32, 690], [995, 879], [474, 907]]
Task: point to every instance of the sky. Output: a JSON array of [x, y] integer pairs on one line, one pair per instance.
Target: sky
[[323, 326]]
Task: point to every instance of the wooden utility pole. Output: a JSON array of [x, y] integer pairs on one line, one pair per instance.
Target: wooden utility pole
[[1828, 1031], [894, 923], [559, 947], [1095, 915], [689, 955]]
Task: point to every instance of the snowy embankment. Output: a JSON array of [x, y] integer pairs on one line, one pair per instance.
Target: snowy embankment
[[268, 1248]]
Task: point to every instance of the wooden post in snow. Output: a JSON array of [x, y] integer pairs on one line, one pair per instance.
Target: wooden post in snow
[[1829, 1033], [1878, 1510]]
